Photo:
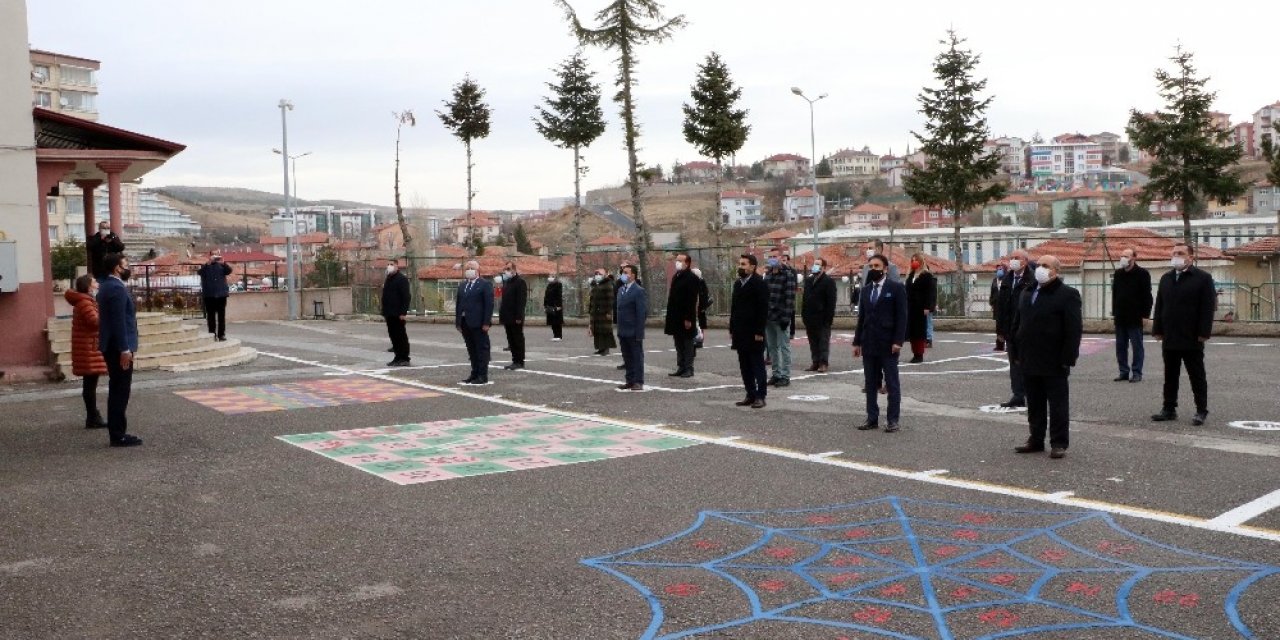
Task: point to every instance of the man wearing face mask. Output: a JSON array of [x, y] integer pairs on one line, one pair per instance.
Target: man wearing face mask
[[553, 304], [395, 311], [99, 245], [704, 302], [682, 315], [876, 248], [1019, 279], [748, 317], [818, 313], [1130, 303], [1183, 322], [633, 308], [1044, 340], [993, 300], [781, 280], [515, 295], [878, 338], [473, 314], [600, 306], [118, 341], [213, 288]]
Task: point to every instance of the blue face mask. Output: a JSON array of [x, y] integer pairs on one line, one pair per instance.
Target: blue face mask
[[817, 268], [999, 273], [624, 278], [772, 262]]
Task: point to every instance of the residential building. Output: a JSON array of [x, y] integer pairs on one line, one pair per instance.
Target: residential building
[[306, 244], [1088, 200], [1111, 145], [1220, 121], [890, 162], [741, 209], [554, 204], [1056, 165], [786, 165], [1242, 134], [1014, 209], [853, 163], [868, 215], [159, 219], [609, 244], [72, 210], [1218, 233], [1264, 199], [1013, 156], [979, 244], [1264, 125], [896, 176], [698, 171], [65, 84], [481, 223], [340, 223], [800, 204], [930, 218]]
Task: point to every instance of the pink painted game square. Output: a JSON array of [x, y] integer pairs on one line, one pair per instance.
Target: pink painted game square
[[419, 475]]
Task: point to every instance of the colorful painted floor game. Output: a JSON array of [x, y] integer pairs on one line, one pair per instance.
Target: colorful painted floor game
[[301, 395], [414, 453], [907, 569]]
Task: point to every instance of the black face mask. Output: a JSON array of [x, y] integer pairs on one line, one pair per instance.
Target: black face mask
[[742, 273], [875, 275], [124, 274]]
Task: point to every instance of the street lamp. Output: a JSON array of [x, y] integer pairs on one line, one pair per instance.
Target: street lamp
[[285, 108], [294, 161], [813, 167]]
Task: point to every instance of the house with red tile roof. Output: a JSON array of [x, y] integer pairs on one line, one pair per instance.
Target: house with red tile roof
[[801, 204], [787, 165], [868, 215], [741, 209], [698, 171], [487, 226]]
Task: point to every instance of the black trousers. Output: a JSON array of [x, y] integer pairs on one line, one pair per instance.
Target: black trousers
[[215, 313], [89, 392], [556, 320], [751, 364], [478, 351], [685, 352], [633, 359], [1049, 408], [878, 370], [515, 340], [1193, 359], [399, 334], [119, 386], [1017, 381], [819, 342]]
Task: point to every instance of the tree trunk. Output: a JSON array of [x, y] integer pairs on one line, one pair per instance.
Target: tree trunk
[[715, 211], [471, 230], [629, 124], [963, 279], [1186, 218], [577, 229], [410, 258]]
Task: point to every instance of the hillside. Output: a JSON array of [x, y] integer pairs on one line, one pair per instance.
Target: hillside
[[238, 200]]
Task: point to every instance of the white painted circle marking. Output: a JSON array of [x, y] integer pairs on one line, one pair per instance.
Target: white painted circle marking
[[995, 408], [809, 398], [1255, 425]]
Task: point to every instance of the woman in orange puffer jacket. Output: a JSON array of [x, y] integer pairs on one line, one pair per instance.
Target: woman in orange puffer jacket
[[86, 360]]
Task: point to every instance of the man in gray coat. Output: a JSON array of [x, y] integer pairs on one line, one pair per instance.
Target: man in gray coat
[[632, 309]]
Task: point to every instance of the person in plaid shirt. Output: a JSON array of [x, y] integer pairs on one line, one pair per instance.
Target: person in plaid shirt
[[781, 280]]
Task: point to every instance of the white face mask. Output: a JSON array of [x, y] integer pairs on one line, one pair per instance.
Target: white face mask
[[679, 265], [391, 268], [597, 278], [1178, 262], [1124, 262], [507, 275], [470, 274], [551, 279], [871, 253], [1015, 264], [1043, 275]]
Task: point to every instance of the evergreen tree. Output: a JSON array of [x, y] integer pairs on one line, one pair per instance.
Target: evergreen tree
[[1192, 158], [1074, 218], [327, 270], [713, 124], [621, 30], [467, 118], [959, 174], [65, 256], [1092, 220], [522, 240], [757, 171], [1272, 155], [573, 119], [823, 170]]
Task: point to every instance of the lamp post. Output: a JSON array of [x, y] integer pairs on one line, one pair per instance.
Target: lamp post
[[285, 108], [293, 160], [813, 168]]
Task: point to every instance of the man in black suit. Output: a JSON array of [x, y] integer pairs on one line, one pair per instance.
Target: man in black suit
[[1130, 303], [515, 295], [1044, 339], [100, 245], [881, 330], [1018, 279], [682, 315], [553, 304], [1183, 322], [748, 316], [118, 342], [395, 311], [472, 315], [818, 313], [214, 291]]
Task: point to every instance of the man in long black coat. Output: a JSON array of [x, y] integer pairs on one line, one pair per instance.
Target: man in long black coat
[[99, 245], [515, 295], [748, 316], [1044, 339], [395, 310], [553, 304], [818, 312], [1019, 279], [1130, 303], [1183, 322], [682, 315]]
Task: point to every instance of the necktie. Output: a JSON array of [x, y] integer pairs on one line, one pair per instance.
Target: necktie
[[875, 294], [1034, 295], [469, 283]]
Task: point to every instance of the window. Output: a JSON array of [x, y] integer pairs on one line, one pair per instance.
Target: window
[[933, 248], [53, 233], [43, 99], [77, 75], [51, 206], [77, 100], [40, 73]]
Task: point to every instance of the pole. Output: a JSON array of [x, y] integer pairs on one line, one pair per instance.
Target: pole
[[813, 175], [285, 106]]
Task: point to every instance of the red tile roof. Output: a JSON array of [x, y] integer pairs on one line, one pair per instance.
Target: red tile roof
[[608, 241], [699, 165], [738, 194], [318, 237], [778, 234], [847, 260], [870, 207], [784, 157], [1267, 246], [805, 192]]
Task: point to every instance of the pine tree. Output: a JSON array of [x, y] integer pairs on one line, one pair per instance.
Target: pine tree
[[713, 124], [823, 170], [1272, 155], [573, 119], [620, 29], [1074, 218], [1192, 158], [467, 118], [959, 174], [522, 240]]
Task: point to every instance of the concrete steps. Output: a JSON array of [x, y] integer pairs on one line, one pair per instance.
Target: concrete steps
[[165, 343]]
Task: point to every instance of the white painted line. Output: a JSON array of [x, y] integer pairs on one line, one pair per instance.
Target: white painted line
[[826, 454], [1227, 344], [1248, 511], [728, 439], [1062, 495], [1257, 344], [932, 472], [949, 481]]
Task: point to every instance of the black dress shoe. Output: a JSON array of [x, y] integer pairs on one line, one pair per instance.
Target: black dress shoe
[[95, 422], [468, 381], [783, 382], [1014, 403], [1057, 453], [1200, 418], [514, 366], [868, 426], [677, 373], [1165, 416], [916, 359], [891, 427], [758, 404], [1029, 448], [1137, 377], [600, 352], [126, 441], [812, 367], [745, 402], [484, 380], [688, 373], [772, 382], [624, 387], [620, 367], [1121, 378]]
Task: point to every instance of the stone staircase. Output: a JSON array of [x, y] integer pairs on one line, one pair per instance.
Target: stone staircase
[[165, 343]]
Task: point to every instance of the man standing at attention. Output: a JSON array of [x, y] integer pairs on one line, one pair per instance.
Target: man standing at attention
[[395, 311], [748, 316], [214, 290], [601, 307], [818, 313], [682, 315], [1182, 322], [515, 295], [1018, 279], [1044, 339], [472, 315], [553, 304], [781, 280], [101, 244], [1130, 303], [633, 308], [878, 338], [118, 341]]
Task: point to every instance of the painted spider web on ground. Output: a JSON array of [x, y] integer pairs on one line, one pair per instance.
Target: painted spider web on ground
[[901, 568]]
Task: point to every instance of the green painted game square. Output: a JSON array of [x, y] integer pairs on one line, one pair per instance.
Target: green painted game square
[[665, 443], [393, 466], [476, 468], [549, 420], [423, 453], [302, 438], [591, 443], [487, 420], [604, 430], [467, 430], [518, 442], [438, 440], [536, 431], [578, 456], [499, 454], [351, 450], [405, 428]]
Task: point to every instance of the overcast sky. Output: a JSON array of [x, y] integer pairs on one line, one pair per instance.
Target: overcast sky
[[209, 74]]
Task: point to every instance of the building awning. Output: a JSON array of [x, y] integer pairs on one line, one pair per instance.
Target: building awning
[[64, 138]]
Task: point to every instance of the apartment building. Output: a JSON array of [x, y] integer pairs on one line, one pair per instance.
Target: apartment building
[[1242, 134], [1264, 125], [786, 164], [1012, 153], [347, 224], [801, 204], [741, 209], [852, 163], [1057, 164], [66, 84]]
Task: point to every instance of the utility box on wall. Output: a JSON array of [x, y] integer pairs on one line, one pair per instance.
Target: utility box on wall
[[8, 266]]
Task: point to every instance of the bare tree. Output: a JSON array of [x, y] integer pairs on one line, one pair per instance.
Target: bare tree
[[403, 118]]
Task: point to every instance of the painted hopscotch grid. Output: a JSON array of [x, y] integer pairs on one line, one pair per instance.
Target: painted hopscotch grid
[[302, 395], [426, 452]]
